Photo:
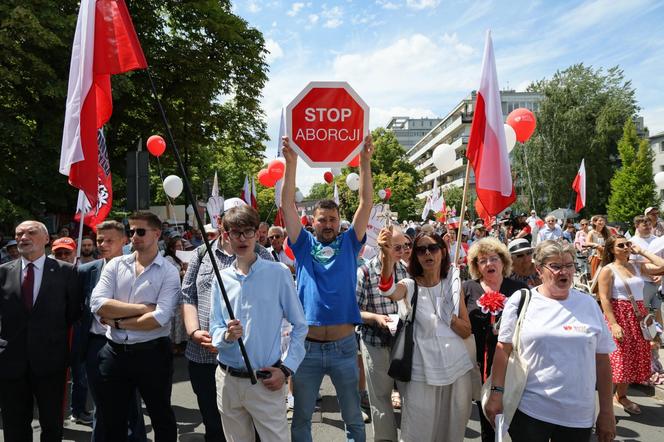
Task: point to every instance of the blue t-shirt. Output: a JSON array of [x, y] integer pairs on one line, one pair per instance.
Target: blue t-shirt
[[326, 278]]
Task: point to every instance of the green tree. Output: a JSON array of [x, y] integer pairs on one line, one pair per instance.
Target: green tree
[[632, 186], [209, 67], [581, 116]]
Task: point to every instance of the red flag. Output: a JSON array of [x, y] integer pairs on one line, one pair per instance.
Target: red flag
[[487, 148], [279, 219], [105, 43], [579, 186], [254, 195], [482, 213], [97, 215], [245, 194]]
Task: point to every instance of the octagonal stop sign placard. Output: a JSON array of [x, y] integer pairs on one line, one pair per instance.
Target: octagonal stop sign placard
[[327, 123]]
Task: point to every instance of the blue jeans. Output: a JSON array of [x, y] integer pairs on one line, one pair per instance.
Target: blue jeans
[[338, 360]]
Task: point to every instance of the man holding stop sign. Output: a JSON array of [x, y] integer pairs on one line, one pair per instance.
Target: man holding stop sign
[[326, 280]]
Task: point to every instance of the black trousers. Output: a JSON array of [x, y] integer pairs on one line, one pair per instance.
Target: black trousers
[[204, 386], [487, 433], [524, 428], [121, 371], [16, 401]]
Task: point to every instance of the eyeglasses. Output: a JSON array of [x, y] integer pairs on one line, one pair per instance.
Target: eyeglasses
[[489, 260], [273, 237], [399, 247], [557, 268], [624, 245], [407, 246], [248, 234], [521, 255], [140, 232], [431, 248], [584, 224]]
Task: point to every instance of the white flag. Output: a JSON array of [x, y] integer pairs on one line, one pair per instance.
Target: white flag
[[282, 133]]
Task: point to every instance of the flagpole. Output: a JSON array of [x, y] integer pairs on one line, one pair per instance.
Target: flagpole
[[463, 212], [271, 209], [80, 233], [201, 226]]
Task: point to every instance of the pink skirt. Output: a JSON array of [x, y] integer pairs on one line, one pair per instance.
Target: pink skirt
[[631, 360]]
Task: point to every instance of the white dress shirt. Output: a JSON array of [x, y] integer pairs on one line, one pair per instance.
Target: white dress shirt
[[158, 284], [38, 271]]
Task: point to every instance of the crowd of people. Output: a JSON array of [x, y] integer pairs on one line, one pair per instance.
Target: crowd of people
[[292, 304]]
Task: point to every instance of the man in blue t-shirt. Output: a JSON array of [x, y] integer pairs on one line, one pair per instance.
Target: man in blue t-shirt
[[326, 279]]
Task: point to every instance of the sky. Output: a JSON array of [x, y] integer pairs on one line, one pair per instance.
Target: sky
[[419, 58]]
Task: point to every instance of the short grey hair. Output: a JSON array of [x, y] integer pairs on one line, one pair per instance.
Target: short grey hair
[[277, 229], [550, 218], [550, 248], [41, 226]]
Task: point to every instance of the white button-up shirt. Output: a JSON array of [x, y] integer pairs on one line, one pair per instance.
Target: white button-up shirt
[[38, 272], [159, 284]]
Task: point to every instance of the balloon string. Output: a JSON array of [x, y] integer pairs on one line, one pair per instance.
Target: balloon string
[[168, 199]]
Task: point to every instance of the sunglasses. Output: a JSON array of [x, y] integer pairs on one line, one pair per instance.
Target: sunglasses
[[521, 255], [431, 248], [140, 232], [273, 237], [624, 245]]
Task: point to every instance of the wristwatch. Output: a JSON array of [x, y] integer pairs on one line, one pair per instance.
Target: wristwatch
[[287, 371]]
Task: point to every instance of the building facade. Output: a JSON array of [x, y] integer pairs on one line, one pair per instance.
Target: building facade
[[409, 131], [657, 147], [454, 129]]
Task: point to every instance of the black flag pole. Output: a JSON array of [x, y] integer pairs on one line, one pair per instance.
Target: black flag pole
[[199, 221]]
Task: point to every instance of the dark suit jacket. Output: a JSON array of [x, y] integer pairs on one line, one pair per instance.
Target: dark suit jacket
[[37, 340], [88, 276]]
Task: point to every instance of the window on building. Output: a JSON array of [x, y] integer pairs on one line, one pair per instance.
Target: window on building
[[661, 147], [661, 168], [661, 194]]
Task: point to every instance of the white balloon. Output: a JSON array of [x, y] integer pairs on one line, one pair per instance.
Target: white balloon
[[233, 202], [336, 171], [353, 181], [382, 194], [443, 157], [298, 197], [173, 186], [190, 210], [510, 137], [659, 179]]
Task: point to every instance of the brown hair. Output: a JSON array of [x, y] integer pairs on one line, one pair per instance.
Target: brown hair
[[111, 225], [149, 217], [608, 256], [415, 268], [640, 219], [241, 216]]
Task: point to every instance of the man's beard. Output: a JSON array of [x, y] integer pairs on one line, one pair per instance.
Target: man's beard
[[87, 253]]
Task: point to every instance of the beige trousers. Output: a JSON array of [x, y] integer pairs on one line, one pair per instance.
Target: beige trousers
[[435, 414], [243, 406], [379, 386]]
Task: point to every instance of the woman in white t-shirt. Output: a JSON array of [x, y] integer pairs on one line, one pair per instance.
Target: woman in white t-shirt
[[436, 403], [566, 343]]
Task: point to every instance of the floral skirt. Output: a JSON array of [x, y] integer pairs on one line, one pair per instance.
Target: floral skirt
[[631, 360]]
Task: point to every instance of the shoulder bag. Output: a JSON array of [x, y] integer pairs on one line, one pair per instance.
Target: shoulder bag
[[516, 373], [647, 322], [401, 355]]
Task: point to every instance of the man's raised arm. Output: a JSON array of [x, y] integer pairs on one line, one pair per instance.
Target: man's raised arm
[[293, 226], [363, 212]]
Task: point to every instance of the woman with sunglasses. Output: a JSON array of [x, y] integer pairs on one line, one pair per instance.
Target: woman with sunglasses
[[436, 403], [489, 263], [619, 278], [523, 268], [566, 344]]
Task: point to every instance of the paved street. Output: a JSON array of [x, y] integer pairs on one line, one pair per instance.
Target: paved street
[[648, 427]]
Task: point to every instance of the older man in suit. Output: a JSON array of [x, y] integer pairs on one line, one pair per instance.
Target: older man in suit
[[39, 300]]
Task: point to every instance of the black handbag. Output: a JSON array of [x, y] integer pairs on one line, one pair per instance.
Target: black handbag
[[401, 355]]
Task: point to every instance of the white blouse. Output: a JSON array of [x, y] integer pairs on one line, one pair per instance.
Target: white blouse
[[440, 356]]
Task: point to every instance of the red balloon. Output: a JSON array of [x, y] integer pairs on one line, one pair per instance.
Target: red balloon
[[328, 177], [156, 145], [276, 169], [288, 251], [523, 122], [266, 179], [355, 162], [388, 193]]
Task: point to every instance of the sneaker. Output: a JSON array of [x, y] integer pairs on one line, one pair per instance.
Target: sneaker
[[366, 416], [84, 418]]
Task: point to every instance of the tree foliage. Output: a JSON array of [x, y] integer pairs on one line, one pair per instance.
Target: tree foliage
[[581, 116], [209, 67], [390, 168], [632, 186]]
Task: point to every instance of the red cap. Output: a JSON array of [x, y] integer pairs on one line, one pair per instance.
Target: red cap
[[64, 243]]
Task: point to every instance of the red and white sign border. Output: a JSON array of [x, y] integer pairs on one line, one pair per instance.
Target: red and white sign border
[[326, 85]]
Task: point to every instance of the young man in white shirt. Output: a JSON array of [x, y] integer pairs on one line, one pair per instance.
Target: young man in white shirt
[[136, 297], [643, 236], [262, 293]]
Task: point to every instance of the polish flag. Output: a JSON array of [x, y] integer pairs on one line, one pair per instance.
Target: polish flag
[[245, 195], [254, 195], [579, 186], [282, 133], [105, 43], [336, 194], [487, 148], [93, 216]]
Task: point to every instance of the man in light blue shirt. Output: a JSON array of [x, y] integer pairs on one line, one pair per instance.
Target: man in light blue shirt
[[136, 297], [261, 294]]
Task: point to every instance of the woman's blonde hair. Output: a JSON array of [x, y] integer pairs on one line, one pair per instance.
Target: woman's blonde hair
[[487, 246], [549, 248]]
